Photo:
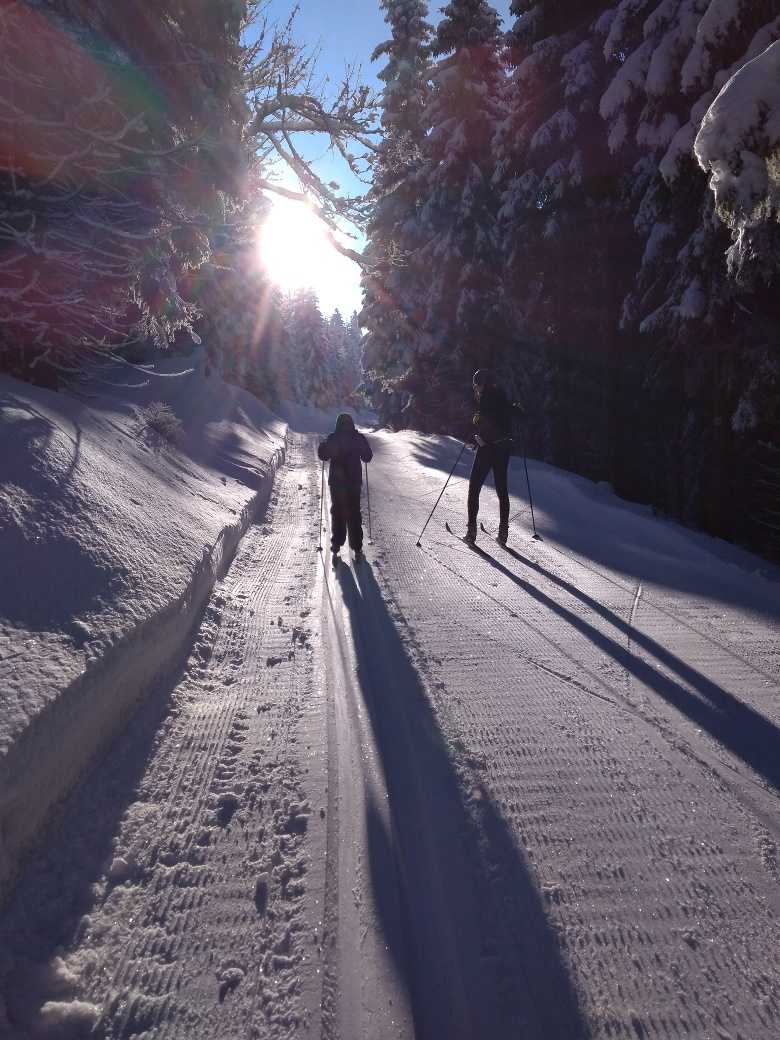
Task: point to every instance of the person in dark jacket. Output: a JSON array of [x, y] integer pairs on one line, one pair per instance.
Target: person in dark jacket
[[345, 449], [493, 435]]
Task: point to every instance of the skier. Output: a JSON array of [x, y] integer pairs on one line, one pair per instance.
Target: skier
[[493, 421], [345, 449]]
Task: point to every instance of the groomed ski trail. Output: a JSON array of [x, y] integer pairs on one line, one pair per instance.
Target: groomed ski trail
[[440, 793]]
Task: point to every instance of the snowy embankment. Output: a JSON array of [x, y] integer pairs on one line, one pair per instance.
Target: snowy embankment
[[112, 535]]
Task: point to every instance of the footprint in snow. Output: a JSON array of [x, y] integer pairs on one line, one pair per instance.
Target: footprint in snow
[[226, 807], [229, 978], [261, 893]]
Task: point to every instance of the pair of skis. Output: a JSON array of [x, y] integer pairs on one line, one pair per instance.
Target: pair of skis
[[471, 542]]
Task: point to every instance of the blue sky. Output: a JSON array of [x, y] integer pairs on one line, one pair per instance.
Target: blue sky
[[345, 32]]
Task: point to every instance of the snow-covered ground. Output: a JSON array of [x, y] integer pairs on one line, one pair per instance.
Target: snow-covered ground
[[440, 794], [111, 537]]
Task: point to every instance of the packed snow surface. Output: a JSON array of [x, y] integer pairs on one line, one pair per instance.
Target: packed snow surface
[[440, 793]]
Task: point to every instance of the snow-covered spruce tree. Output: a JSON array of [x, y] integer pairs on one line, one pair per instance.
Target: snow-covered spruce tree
[[99, 223], [355, 342], [341, 359], [739, 146], [702, 335], [241, 310], [335, 334], [464, 321], [566, 238], [307, 367], [393, 284]]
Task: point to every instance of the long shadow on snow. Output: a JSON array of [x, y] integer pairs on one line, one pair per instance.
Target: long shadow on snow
[[620, 535], [479, 955], [747, 733]]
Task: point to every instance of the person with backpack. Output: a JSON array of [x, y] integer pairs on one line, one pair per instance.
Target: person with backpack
[[345, 449], [493, 435]]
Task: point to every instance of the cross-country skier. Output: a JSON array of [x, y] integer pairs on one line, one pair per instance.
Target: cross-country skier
[[345, 449], [493, 435]]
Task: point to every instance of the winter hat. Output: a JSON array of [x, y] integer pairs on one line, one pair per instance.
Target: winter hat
[[345, 422]]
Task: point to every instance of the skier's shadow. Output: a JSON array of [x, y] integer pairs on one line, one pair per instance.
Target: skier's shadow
[[474, 945], [743, 730]]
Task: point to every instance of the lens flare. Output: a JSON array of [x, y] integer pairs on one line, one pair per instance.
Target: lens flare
[[295, 250]]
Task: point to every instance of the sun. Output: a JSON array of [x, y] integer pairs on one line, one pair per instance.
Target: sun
[[295, 249]]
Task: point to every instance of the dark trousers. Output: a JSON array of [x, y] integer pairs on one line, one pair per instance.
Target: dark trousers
[[345, 516], [495, 457]]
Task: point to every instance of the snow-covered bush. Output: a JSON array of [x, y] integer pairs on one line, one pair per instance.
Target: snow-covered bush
[[160, 425]]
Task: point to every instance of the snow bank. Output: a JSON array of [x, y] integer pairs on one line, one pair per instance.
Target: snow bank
[[114, 525]]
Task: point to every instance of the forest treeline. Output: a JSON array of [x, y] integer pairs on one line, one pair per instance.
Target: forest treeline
[[540, 206], [586, 202]]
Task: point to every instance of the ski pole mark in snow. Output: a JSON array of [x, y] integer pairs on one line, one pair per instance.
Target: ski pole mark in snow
[[634, 606]]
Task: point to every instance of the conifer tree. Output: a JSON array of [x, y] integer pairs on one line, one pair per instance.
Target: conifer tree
[[393, 280], [464, 317], [703, 334], [564, 237]]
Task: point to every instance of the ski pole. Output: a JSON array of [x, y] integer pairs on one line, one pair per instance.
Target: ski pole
[[530, 498], [322, 503], [446, 482], [368, 496]]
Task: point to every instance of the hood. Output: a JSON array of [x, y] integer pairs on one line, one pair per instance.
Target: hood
[[345, 422]]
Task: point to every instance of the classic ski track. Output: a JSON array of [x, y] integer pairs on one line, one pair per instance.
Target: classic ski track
[[624, 703], [183, 947], [651, 602], [361, 994], [390, 763], [707, 757]]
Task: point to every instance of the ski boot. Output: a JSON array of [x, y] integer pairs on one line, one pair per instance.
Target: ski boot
[[503, 534], [470, 537]]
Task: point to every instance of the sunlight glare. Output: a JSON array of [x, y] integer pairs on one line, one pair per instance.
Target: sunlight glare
[[294, 248]]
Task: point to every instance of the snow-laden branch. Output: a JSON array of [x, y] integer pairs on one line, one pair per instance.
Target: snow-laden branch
[[739, 140], [738, 144]]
